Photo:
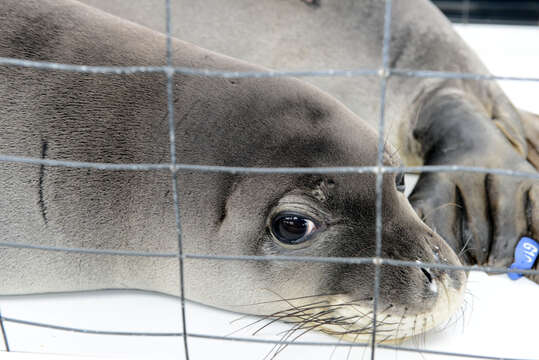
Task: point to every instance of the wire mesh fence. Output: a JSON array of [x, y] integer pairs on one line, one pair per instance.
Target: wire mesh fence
[[174, 167]]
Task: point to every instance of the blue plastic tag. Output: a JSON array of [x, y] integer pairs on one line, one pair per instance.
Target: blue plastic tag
[[525, 255]]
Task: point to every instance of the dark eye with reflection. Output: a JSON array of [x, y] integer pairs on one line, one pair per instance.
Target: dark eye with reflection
[[399, 182], [292, 229]]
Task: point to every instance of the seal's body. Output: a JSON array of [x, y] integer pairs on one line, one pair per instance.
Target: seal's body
[[432, 121], [244, 122]]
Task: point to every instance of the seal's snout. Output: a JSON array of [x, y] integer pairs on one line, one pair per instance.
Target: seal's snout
[[424, 296], [442, 253]]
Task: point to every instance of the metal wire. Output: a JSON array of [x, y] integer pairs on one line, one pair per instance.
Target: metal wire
[[267, 170], [384, 76], [169, 70], [127, 70], [249, 340], [4, 334]]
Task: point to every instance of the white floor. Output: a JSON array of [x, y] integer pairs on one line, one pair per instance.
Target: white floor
[[499, 319], [509, 51]]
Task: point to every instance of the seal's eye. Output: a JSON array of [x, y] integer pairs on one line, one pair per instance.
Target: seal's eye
[[399, 182], [292, 229]]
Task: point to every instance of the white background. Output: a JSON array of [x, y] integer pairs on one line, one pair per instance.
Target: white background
[[500, 317]]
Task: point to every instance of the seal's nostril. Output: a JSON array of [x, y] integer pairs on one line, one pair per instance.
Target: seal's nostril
[[427, 274]]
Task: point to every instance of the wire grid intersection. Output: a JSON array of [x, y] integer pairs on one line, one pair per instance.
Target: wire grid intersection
[[169, 70]]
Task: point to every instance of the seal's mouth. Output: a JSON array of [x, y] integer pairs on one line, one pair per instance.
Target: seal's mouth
[[352, 320]]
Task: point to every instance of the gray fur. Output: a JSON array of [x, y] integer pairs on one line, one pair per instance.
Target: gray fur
[[347, 34], [247, 122], [339, 34]]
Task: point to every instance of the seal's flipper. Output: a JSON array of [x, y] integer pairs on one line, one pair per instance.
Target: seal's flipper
[[487, 213]]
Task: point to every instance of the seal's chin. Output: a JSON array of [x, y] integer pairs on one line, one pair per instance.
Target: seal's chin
[[352, 321]]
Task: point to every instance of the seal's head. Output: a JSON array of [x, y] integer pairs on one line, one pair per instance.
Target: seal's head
[[328, 215], [113, 118]]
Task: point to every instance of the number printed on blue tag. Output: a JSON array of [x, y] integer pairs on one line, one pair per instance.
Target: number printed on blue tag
[[525, 255]]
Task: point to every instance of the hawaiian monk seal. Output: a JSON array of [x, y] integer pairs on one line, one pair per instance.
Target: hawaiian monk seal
[[243, 122], [432, 121]]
